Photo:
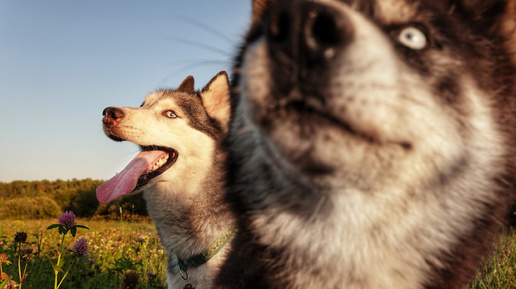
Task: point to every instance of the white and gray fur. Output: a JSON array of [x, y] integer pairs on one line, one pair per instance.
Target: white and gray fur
[[186, 201], [359, 159]]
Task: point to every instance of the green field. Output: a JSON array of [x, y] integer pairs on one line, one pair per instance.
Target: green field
[[122, 248], [115, 249]]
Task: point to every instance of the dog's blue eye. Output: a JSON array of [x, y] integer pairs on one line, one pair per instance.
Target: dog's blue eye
[[413, 38], [170, 114]]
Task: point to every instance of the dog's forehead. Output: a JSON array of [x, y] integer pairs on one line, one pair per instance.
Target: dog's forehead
[[384, 11], [395, 11], [160, 96]]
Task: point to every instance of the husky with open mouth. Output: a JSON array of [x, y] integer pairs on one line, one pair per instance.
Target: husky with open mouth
[[371, 145], [181, 169]]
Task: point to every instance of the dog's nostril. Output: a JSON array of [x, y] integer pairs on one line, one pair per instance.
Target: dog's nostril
[[113, 113], [279, 27], [323, 29]]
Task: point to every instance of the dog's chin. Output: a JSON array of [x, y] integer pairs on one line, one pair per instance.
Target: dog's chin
[[111, 134], [147, 180]]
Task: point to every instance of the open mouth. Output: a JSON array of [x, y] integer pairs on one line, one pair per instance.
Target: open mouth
[[164, 161], [151, 162]]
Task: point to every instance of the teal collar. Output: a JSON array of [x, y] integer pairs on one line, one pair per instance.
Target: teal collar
[[199, 259]]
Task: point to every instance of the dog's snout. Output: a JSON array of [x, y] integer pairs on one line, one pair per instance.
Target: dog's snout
[[302, 30], [112, 116]]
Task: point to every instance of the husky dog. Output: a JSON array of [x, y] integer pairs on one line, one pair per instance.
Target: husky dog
[[370, 145], [181, 170]]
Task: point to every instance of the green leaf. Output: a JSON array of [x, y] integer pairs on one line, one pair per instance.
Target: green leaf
[[54, 226], [62, 230], [60, 264], [2, 285], [73, 230], [81, 226]]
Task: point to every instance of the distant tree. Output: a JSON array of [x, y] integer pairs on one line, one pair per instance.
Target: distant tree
[[85, 203], [131, 205], [30, 208], [76, 195]]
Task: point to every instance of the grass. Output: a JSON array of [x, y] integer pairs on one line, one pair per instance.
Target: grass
[[116, 249], [123, 251], [498, 271]]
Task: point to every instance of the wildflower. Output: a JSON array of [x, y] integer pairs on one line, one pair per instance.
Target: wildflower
[[130, 281], [10, 285], [28, 251], [3, 258], [80, 247], [67, 219], [150, 274], [139, 240], [3, 276], [20, 237]]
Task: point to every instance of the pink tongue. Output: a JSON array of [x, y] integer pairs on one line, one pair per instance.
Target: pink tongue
[[125, 182]]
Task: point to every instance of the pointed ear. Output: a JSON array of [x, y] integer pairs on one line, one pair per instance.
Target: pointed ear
[[485, 17], [187, 85], [216, 99], [258, 8], [508, 25]]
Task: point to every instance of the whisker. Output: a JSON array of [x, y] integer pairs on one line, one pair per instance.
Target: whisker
[[191, 66], [196, 61], [205, 27], [199, 44]]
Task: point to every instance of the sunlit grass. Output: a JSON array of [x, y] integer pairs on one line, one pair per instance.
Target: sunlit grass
[[118, 248], [115, 248], [498, 271]]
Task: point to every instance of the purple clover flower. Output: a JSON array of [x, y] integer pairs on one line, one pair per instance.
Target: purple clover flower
[[150, 274], [67, 219], [20, 237], [80, 247]]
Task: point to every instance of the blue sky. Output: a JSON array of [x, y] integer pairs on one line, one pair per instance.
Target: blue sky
[[62, 62]]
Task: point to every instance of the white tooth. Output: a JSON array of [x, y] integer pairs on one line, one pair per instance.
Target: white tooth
[[159, 163]]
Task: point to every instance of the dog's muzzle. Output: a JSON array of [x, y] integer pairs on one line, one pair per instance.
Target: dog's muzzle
[[307, 34], [112, 117]]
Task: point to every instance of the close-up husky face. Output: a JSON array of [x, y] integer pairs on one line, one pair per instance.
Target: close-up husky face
[[366, 89], [384, 128]]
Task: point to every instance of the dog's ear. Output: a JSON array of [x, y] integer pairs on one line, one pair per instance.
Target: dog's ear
[[508, 28], [187, 85], [485, 17], [259, 7], [215, 99]]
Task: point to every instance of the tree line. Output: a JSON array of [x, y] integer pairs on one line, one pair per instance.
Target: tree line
[[48, 199]]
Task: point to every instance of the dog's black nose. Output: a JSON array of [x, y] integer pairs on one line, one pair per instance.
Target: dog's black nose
[[306, 32], [112, 116]]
